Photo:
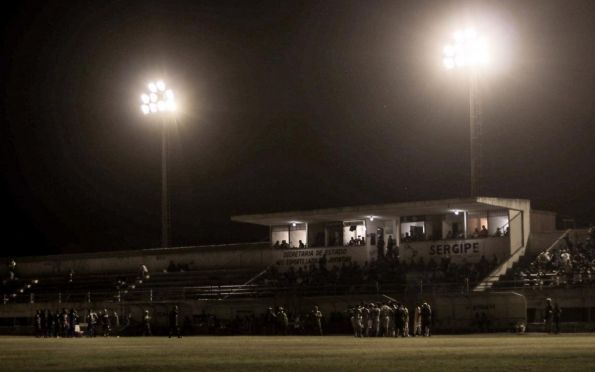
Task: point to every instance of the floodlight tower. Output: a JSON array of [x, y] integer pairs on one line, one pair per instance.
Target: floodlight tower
[[469, 50], [159, 100]]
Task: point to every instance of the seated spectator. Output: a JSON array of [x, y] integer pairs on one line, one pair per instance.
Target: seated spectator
[[498, 233], [475, 234], [301, 244], [484, 232], [277, 245], [449, 234]]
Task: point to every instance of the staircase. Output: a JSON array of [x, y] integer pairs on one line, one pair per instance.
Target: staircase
[[523, 256]]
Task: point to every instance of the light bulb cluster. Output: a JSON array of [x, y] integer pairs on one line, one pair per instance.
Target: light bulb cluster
[[158, 99], [466, 49]]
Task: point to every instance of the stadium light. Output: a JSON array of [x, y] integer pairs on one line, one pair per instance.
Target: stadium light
[[160, 101], [469, 50]]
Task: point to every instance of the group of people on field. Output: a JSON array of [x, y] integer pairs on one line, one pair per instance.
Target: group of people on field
[[66, 323], [390, 319], [277, 321]]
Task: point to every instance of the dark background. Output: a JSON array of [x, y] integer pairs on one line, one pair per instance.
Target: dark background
[[285, 105]]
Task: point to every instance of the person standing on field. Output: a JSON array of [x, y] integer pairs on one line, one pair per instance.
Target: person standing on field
[[174, 322], [548, 315], [417, 321], [147, 324], [426, 318], [375, 314], [557, 316], [318, 319]]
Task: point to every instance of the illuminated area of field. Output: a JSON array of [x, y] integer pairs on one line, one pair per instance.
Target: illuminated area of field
[[437, 353]]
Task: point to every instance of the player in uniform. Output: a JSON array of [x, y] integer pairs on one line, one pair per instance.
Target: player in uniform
[[105, 323], [283, 321], [417, 322], [548, 315], [38, 322], [384, 315], [147, 324], [405, 317], [426, 318], [318, 319], [398, 317], [366, 320], [174, 322], [375, 313], [270, 320], [557, 315]]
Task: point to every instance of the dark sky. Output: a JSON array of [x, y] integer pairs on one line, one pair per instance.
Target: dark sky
[[286, 105]]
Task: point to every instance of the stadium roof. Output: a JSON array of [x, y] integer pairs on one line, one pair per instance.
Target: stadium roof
[[380, 211]]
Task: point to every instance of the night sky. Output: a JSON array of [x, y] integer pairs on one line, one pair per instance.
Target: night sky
[[284, 105]]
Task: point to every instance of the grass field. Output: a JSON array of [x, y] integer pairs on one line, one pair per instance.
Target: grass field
[[573, 352]]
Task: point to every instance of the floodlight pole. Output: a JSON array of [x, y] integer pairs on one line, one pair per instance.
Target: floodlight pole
[[475, 119], [165, 220]]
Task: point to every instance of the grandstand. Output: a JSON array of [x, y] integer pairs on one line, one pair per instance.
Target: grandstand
[[318, 262]]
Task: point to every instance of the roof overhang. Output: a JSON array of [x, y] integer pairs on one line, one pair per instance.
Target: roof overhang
[[378, 211]]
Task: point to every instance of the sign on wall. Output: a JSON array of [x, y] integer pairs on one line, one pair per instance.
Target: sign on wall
[[471, 249], [304, 257]]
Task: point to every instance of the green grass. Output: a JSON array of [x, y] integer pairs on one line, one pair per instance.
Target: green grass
[[304, 353]]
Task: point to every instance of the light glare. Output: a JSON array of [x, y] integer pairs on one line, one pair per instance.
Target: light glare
[[158, 99], [448, 63], [467, 49]]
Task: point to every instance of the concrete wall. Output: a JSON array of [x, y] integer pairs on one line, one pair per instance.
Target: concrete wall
[[542, 221], [521, 205], [471, 249], [283, 259]]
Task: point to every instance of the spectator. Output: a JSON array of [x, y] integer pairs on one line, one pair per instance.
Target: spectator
[[12, 265], [143, 272], [475, 234]]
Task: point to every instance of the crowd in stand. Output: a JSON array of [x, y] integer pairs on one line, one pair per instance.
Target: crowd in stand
[[476, 234], [390, 319], [564, 264], [388, 270]]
